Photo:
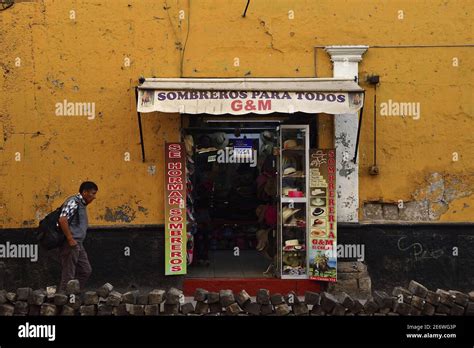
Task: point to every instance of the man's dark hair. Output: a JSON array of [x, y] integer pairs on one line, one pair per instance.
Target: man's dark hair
[[88, 185]]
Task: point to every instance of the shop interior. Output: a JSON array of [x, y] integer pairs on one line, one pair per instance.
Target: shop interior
[[233, 185]]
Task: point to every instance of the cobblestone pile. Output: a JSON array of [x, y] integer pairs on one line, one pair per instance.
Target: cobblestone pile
[[414, 300]]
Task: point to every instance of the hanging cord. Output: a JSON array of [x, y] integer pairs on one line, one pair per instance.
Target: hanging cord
[[246, 7], [375, 125]]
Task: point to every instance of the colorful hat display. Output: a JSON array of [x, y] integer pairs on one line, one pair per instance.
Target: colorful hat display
[[288, 212]]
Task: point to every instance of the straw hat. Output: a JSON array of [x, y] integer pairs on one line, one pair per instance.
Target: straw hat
[[290, 144], [293, 243], [189, 144], [220, 140], [288, 212], [260, 212]]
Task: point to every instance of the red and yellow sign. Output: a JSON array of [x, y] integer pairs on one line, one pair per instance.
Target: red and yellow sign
[[175, 209]]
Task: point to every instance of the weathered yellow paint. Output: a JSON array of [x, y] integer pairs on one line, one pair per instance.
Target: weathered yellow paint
[[82, 60]]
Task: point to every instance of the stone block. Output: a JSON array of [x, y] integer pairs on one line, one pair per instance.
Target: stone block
[[130, 297], [37, 297], [120, 310], [415, 211], [173, 296], [48, 309], [263, 296], [152, 309], [402, 308], [277, 299], [21, 308], [105, 290], [338, 310], [373, 211], [114, 298], [312, 298], [156, 296], [22, 294], [136, 310], [282, 309], [67, 311], [142, 299], [428, 309], [328, 302], [233, 309], [91, 298], [104, 310], [60, 299], [432, 298], [201, 308], [88, 310], [417, 289], [73, 287], [226, 297], [460, 298], [242, 298], [252, 308], [187, 308], [445, 297], [200, 295], [215, 307], [456, 310], [213, 297], [171, 308], [266, 309], [300, 309], [6, 310], [417, 302], [390, 211]]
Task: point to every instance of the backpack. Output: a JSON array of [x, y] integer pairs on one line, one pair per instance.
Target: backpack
[[49, 235]]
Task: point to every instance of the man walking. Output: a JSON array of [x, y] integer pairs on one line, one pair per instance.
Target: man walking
[[73, 222]]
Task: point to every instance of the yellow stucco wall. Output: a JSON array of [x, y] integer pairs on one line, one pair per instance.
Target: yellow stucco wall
[[83, 60]]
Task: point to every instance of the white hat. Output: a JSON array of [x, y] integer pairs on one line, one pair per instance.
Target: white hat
[[288, 212]]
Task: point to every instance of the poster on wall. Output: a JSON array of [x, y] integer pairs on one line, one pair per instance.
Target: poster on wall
[[175, 209], [322, 251]]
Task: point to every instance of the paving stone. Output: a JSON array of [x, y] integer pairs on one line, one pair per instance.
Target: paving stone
[[346, 300], [415, 312], [242, 298], [282, 309], [50, 292], [105, 290], [292, 298], [317, 310], [120, 310], [91, 298], [442, 309], [277, 299], [460, 298], [171, 308], [428, 309], [22, 294], [457, 310], [37, 297], [152, 309], [357, 307], [201, 308], [300, 309], [88, 310], [173, 296], [471, 296], [402, 308], [215, 307], [312, 298], [73, 287], [11, 297], [370, 307], [6, 310], [392, 314], [233, 309], [403, 293], [266, 309], [114, 298], [142, 299], [200, 295], [212, 297], [383, 300], [252, 308], [417, 302], [156, 296], [130, 297], [60, 299], [104, 310], [328, 302], [75, 301], [338, 310], [445, 297], [470, 308], [136, 310], [263, 297], [48, 309], [417, 289], [226, 297], [67, 311], [21, 308], [3, 296], [187, 308], [34, 310], [432, 297]]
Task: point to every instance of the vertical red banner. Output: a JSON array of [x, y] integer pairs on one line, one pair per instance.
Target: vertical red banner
[[175, 209]]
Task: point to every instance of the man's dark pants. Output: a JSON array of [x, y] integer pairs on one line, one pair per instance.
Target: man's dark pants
[[75, 265]]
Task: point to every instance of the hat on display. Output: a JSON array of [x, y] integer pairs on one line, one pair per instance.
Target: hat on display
[[316, 192], [267, 137], [220, 140], [270, 187], [290, 144], [266, 149], [288, 212], [189, 144], [318, 211], [318, 222], [289, 170], [286, 190], [288, 161], [294, 243], [262, 239], [317, 202], [260, 212], [295, 193], [271, 215], [292, 259]]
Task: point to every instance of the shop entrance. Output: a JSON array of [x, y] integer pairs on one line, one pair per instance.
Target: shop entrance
[[232, 199]]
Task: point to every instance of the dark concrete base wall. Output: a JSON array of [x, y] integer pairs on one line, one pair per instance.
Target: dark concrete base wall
[[395, 254]]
